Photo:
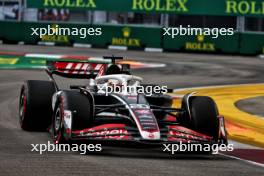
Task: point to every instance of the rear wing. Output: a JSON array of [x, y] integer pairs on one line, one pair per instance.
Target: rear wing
[[87, 69], [78, 69]]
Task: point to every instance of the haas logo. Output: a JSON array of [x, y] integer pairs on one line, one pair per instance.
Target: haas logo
[[151, 135]]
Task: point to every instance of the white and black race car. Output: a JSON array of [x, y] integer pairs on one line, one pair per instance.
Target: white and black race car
[[87, 113]]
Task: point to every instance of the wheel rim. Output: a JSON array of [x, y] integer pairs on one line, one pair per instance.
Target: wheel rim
[[22, 107], [57, 120], [57, 125]]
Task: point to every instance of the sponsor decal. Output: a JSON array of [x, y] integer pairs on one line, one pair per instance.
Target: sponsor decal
[[132, 97], [200, 45], [142, 111], [41, 62], [175, 134], [139, 106], [191, 7], [245, 7], [184, 134], [146, 120], [151, 136], [159, 5], [78, 67], [107, 134], [70, 3], [8, 61], [55, 38], [126, 40]]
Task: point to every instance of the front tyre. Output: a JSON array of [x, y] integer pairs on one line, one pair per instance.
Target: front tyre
[[81, 108], [203, 116]]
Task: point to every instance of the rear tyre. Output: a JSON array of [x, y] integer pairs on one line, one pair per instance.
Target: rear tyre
[[204, 116], [35, 109]]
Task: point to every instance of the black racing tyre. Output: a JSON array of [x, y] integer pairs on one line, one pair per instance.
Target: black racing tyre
[[204, 116], [81, 107], [35, 105]]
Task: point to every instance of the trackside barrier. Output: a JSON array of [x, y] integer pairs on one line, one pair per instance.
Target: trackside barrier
[[134, 37]]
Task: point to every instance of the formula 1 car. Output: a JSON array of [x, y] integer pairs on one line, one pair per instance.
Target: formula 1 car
[[87, 113]]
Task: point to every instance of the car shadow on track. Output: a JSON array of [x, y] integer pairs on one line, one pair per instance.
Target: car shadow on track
[[150, 153]]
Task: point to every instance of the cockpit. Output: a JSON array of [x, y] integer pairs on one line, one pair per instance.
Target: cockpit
[[118, 83]]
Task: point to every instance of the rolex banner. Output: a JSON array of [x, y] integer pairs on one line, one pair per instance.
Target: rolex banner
[[188, 7]]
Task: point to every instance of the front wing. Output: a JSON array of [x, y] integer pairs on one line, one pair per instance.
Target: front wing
[[122, 132]]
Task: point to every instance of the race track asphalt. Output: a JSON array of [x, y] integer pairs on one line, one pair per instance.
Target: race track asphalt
[[252, 106], [184, 70]]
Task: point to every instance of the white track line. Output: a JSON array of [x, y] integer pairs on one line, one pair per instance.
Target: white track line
[[47, 43], [239, 145], [82, 45], [261, 56], [217, 86], [117, 47], [53, 56], [244, 160], [159, 50]]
